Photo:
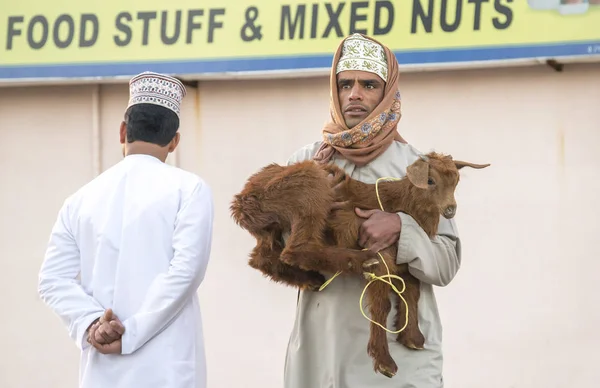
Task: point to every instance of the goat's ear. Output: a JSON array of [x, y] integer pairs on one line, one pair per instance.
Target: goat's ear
[[460, 164], [418, 173]]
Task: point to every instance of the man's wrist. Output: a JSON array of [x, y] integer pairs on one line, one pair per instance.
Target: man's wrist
[[399, 230]]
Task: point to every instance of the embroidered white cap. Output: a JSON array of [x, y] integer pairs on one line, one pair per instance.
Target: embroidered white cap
[[360, 53], [158, 89]]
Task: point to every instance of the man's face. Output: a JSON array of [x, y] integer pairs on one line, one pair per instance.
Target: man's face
[[359, 92]]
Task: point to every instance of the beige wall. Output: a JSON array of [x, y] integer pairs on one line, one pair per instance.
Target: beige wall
[[522, 312]]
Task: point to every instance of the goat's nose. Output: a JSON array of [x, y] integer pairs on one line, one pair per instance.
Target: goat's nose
[[450, 211]]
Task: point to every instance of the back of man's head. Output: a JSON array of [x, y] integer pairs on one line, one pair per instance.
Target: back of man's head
[[151, 123]]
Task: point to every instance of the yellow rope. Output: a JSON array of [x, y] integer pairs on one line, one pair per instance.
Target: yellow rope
[[374, 277]]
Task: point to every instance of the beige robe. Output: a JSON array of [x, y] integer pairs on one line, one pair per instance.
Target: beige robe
[[328, 343]]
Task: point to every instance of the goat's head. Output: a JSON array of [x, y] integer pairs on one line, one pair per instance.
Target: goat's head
[[436, 176]]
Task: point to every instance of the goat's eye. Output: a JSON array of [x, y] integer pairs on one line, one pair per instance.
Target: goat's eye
[[430, 182]]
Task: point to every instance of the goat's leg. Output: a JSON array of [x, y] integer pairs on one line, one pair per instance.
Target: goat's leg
[[378, 349], [338, 173], [411, 337], [316, 257], [265, 257], [306, 249]]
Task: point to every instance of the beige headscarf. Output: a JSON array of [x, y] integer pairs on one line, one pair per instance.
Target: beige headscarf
[[374, 134]]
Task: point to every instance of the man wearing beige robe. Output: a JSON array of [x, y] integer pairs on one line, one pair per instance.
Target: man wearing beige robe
[[328, 343]]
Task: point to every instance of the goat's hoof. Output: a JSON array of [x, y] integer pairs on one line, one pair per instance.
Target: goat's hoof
[[412, 346], [313, 287], [387, 371], [419, 344], [383, 362], [370, 263], [415, 347], [314, 283]]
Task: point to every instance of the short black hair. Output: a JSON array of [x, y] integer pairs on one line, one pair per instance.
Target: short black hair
[[151, 123]]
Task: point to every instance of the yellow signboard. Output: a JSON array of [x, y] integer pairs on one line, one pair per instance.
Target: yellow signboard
[[70, 38]]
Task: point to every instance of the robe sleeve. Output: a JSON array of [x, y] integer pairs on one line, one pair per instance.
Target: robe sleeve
[[434, 261], [171, 291], [58, 286]]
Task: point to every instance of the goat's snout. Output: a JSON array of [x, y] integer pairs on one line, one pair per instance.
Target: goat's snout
[[450, 211]]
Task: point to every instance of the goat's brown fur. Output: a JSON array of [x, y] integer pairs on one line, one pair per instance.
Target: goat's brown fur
[[298, 199]]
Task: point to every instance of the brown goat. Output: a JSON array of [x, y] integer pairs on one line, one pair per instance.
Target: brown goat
[[298, 198]]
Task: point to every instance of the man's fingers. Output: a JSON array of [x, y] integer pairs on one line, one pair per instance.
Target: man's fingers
[[368, 238], [364, 213], [377, 246], [91, 333], [110, 331], [117, 327], [365, 234], [363, 238], [102, 348], [108, 315], [105, 348], [94, 327], [94, 342], [371, 244], [101, 337], [112, 348], [106, 334]]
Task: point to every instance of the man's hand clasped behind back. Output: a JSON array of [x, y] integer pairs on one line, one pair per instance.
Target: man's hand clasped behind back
[[105, 334]]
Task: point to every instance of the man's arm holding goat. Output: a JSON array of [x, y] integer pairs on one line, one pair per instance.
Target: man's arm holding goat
[[435, 261]]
